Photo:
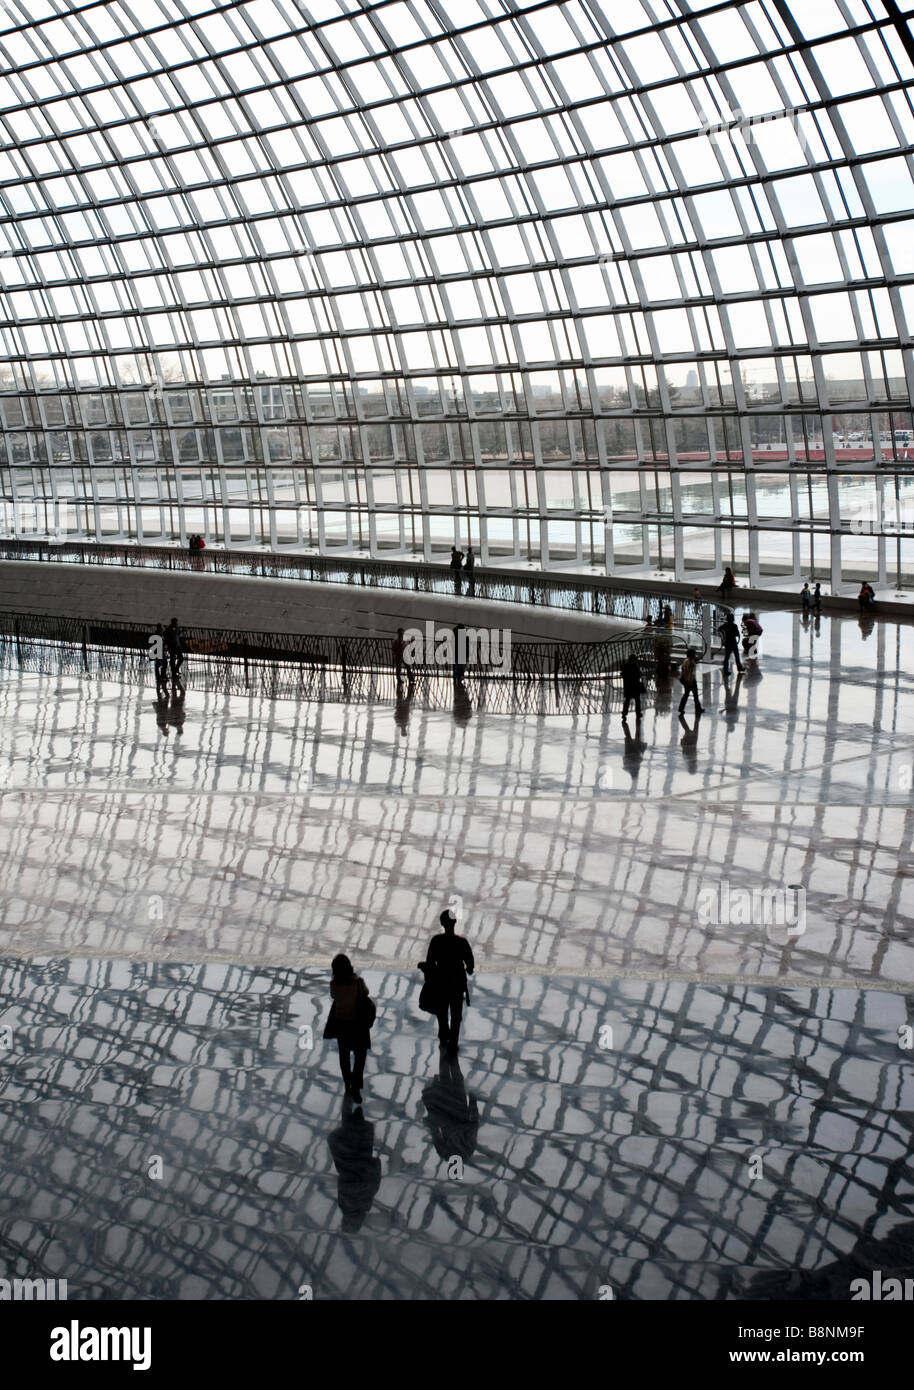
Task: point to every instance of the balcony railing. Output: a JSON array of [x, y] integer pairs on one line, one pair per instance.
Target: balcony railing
[[541, 675]]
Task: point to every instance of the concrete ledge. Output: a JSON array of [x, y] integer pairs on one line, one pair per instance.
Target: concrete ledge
[[252, 604]]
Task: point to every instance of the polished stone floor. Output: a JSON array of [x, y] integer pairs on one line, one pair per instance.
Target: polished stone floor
[[167, 1135], [645, 1101], [273, 832]]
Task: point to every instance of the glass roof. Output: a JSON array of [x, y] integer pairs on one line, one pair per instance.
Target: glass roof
[[555, 278]]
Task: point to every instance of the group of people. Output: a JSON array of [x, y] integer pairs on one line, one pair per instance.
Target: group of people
[[730, 637], [196, 542], [166, 647], [463, 564], [811, 598], [448, 964], [866, 598], [737, 642], [664, 617]]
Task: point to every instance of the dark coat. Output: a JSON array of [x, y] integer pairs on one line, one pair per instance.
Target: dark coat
[[448, 963], [346, 1020], [632, 683]]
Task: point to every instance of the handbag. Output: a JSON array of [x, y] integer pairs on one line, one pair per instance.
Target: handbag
[[365, 1009], [428, 1002], [330, 1027]]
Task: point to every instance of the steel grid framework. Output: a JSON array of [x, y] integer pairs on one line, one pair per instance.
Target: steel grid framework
[[629, 288]]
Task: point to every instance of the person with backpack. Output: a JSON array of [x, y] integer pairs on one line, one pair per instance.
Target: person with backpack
[[349, 1023], [688, 674], [448, 963]]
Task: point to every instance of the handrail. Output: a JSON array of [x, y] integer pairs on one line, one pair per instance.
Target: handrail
[[208, 649]]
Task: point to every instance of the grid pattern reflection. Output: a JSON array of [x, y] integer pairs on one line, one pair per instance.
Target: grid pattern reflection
[[251, 829], [628, 287], [663, 1165]]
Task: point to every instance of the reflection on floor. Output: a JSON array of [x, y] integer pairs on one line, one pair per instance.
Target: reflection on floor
[[268, 831], [661, 1141], [646, 1103]]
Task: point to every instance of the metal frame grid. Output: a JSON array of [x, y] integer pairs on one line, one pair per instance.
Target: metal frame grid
[[629, 288]]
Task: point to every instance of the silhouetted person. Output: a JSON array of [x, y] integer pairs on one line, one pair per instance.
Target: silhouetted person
[[817, 598], [632, 686], [358, 1170], [752, 631], [453, 1116], [160, 662], [349, 1022], [456, 565], [174, 645], [446, 967], [728, 582], [729, 634], [805, 598], [688, 674], [866, 597]]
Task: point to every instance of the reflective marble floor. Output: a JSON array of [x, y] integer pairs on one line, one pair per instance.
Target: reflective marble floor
[[645, 1102], [272, 832], [661, 1140]]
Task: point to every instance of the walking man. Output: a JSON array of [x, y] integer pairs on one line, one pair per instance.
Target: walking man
[[730, 636], [632, 686], [174, 645], [446, 968]]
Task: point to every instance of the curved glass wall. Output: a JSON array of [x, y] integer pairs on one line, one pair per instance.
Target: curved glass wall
[[629, 286]]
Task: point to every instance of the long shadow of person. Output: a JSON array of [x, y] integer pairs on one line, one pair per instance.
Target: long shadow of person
[[463, 705], [176, 711], [161, 709], [404, 702], [689, 742], [453, 1116], [635, 748], [358, 1170], [731, 700], [891, 1257], [663, 696]]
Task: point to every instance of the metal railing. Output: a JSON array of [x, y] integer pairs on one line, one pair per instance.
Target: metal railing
[[576, 593], [294, 666]]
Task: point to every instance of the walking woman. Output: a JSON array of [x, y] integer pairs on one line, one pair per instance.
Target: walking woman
[[351, 1016]]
